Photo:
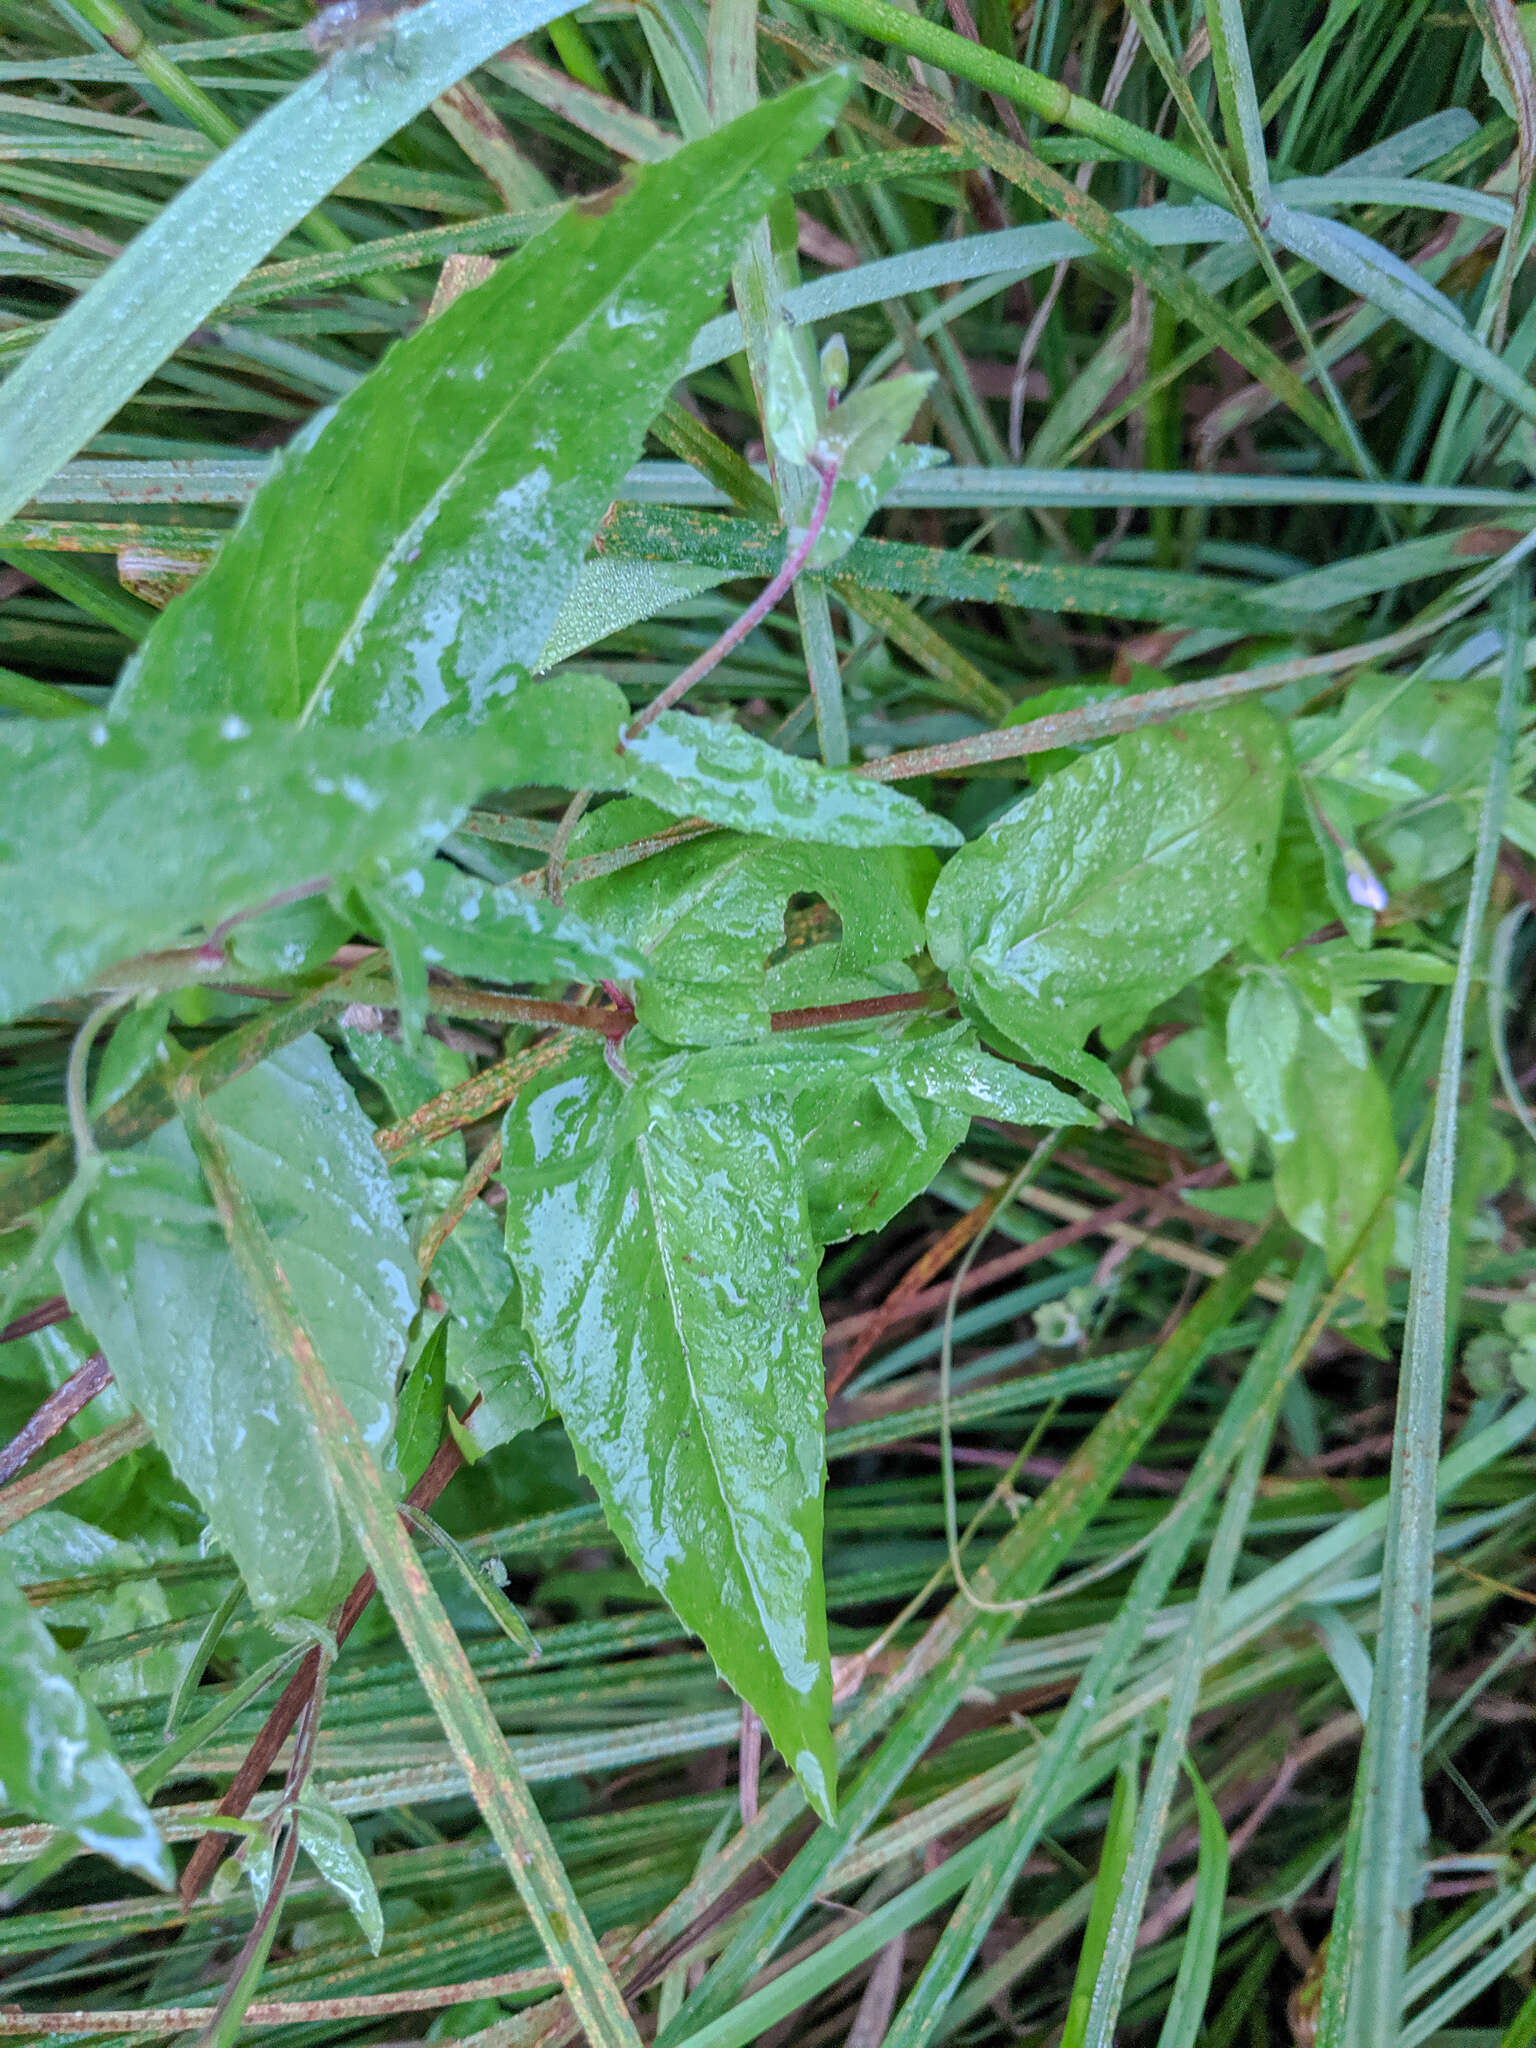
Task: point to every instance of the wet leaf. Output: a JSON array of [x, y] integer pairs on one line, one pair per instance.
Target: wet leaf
[[499, 934], [857, 496], [1197, 1063], [707, 916], [50, 1544], [697, 767], [1263, 1032], [669, 1288], [327, 1838], [1308, 1080], [57, 1763], [419, 1423], [615, 591], [434, 916], [867, 1147], [866, 427], [1116, 882], [792, 407], [185, 1345], [401, 580], [870, 1142], [500, 1368], [123, 840], [470, 1271]]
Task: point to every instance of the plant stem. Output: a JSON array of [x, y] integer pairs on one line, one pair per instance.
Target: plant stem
[[754, 614]]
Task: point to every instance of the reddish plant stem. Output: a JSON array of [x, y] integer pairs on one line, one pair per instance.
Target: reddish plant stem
[[754, 614], [70, 1469], [299, 1690], [55, 1310], [472, 1185], [1016, 1261], [856, 1013], [927, 1267], [61, 1406]]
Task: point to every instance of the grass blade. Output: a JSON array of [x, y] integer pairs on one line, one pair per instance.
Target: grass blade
[[1363, 1989], [1197, 1965], [195, 252]]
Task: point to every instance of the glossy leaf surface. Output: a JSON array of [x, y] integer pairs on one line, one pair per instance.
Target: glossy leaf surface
[[500, 1368], [56, 1761], [327, 1838], [707, 916], [118, 841], [498, 934], [870, 1142], [1310, 1084], [1112, 885], [406, 562], [669, 1287], [699, 767], [168, 1307]]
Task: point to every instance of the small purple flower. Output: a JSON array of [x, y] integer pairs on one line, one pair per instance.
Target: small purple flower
[[1365, 886]]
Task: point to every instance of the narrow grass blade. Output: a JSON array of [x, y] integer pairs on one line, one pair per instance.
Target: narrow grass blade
[[1246, 1422], [1363, 1988], [191, 257], [1113, 1858], [1198, 1647], [1197, 1964], [1043, 96], [1239, 98], [957, 1644]]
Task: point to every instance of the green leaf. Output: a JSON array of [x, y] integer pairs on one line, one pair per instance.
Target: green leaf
[[1116, 882], [499, 934], [122, 840], [865, 428], [500, 1368], [56, 1759], [867, 1146], [419, 1423], [1202, 1943], [327, 1837], [436, 916], [858, 496], [708, 915], [871, 1141], [1231, 1121], [400, 581], [1308, 1079], [50, 1544], [698, 767], [1263, 1032], [669, 1287], [791, 408], [613, 592], [186, 1349], [1106, 1890]]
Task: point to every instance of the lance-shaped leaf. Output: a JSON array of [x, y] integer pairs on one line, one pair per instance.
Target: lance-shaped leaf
[[154, 1279], [119, 840], [1117, 881], [406, 562], [499, 934], [696, 766], [669, 1289], [57, 1763]]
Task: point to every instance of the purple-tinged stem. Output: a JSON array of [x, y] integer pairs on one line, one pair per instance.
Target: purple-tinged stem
[[754, 614]]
